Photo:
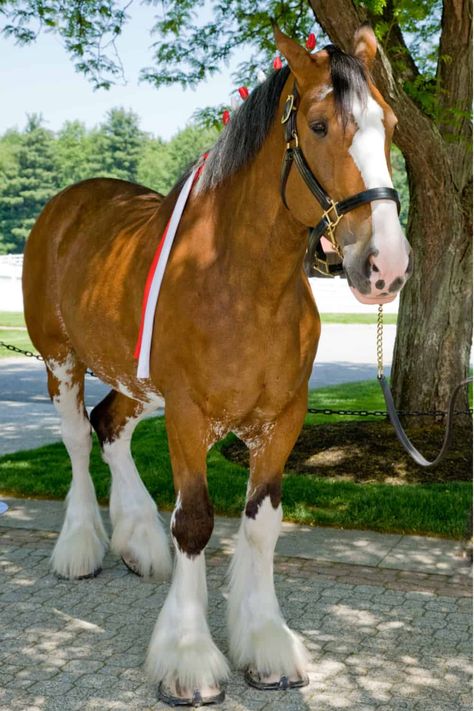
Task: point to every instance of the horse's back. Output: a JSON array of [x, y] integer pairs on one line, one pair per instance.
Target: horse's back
[[80, 251]]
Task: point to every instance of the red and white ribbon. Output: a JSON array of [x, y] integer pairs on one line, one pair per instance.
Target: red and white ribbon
[[155, 277]]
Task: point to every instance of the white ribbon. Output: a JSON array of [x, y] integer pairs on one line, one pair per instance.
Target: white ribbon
[[143, 367]]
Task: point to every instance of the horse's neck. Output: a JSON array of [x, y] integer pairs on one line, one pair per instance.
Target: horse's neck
[[261, 240]]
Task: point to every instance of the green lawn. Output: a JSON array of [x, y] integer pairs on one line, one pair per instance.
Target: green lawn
[[14, 335], [361, 395], [8, 318], [17, 319], [437, 509], [357, 318], [20, 339]]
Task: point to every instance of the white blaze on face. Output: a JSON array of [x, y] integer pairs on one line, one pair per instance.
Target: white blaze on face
[[368, 152]]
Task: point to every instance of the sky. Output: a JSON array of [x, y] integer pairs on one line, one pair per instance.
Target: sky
[[40, 78]]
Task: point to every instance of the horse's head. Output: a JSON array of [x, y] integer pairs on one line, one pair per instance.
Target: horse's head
[[342, 129]]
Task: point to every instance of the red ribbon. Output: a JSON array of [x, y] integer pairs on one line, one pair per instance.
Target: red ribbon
[[311, 41], [243, 91], [277, 63], [226, 117]]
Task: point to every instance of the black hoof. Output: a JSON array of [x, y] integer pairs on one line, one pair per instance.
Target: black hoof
[[254, 679], [132, 568], [89, 576], [194, 701]]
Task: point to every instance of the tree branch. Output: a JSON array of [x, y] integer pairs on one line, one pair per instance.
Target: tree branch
[[454, 78], [416, 134]]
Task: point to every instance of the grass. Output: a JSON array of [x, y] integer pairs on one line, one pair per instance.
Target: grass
[[357, 318], [16, 319], [436, 509], [14, 334], [361, 395], [20, 338], [11, 318]]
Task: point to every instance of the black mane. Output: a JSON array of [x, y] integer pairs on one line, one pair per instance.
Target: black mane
[[248, 128], [348, 79]]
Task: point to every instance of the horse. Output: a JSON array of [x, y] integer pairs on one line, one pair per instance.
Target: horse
[[234, 340]]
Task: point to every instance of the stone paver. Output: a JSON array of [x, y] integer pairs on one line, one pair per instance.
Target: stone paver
[[379, 638], [364, 548]]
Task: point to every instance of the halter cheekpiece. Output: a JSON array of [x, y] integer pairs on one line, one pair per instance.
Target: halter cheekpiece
[[333, 211]]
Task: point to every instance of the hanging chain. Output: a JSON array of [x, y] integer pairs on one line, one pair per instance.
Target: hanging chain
[[380, 341], [30, 354], [311, 410]]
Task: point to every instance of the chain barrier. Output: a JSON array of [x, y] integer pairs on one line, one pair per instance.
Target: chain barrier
[[30, 354], [311, 410]]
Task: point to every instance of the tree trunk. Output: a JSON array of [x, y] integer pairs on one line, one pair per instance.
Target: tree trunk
[[435, 319]]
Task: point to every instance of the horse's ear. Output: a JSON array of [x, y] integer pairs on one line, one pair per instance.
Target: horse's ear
[[298, 58], [365, 44]]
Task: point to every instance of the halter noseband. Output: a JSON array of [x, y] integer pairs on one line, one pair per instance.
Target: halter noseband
[[333, 211]]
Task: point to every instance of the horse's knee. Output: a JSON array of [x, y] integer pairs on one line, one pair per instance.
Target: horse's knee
[[263, 514], [258, 494], [193, 518]]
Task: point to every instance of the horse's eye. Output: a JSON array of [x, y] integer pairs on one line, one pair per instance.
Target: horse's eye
[[320, 128]]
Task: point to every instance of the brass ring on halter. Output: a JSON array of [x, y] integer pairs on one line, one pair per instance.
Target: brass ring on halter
[[289, 106]]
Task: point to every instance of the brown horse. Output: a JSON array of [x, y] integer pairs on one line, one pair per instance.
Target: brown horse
[[234, 341]]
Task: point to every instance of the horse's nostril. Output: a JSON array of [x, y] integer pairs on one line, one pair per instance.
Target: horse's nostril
[[379, 284], [375, 268]]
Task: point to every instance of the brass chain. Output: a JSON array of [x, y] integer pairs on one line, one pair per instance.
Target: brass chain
[[380, 341]]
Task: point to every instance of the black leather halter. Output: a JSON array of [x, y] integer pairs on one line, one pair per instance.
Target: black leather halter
[[333, 211]]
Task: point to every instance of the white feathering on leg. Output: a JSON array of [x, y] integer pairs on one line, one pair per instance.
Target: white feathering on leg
[[259, 636], [82, 543], [138, 534], [182, 653]]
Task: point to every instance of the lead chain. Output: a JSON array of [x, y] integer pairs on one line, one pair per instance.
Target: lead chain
[[380, 341]]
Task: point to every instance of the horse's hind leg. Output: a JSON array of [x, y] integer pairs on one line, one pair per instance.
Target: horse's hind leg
[[260, 640], [138, 535], [82, 543]]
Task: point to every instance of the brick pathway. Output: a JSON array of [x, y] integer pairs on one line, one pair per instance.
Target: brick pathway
[[379, 638]]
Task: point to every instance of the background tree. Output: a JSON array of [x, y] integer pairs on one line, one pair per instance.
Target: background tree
[[26, 185], [117, 146], [162, 163], [74, 152], [424, 70]]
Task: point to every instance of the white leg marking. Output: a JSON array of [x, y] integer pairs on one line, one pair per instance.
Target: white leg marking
[[259, 636], [138, 534], [83, 541], [182, 653]]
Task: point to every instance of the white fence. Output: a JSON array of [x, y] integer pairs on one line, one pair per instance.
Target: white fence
[[11, 297], [332, 295]]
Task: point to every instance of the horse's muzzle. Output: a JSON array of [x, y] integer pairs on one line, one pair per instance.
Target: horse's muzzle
[[375, 300]]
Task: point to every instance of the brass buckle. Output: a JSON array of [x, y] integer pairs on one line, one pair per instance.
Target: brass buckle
[[332, 224], [321, 266], [294, 137], [289, 107]]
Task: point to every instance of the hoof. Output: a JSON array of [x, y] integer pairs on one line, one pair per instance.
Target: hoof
[[88, 576], [194, 701], [256, 680], [132, 565]]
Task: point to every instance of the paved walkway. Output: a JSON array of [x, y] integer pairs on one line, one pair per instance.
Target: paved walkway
[[387, 620]]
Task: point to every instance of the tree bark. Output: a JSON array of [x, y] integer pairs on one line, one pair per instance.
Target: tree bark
[[435, 318]]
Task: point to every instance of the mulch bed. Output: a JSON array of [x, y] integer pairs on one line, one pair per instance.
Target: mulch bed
[[370, 451]]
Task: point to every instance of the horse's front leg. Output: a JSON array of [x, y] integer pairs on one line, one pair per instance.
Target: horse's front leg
[[260, 640], [182, 656]]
